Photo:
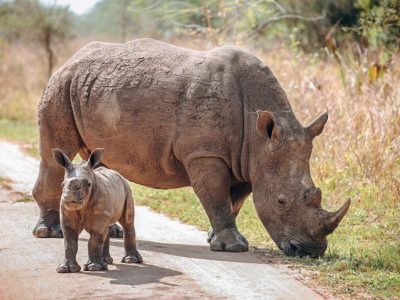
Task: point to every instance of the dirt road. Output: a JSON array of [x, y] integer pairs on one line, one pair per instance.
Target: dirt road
[[177, 261]]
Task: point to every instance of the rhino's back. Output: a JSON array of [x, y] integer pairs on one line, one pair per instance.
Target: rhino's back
[[155, 107]]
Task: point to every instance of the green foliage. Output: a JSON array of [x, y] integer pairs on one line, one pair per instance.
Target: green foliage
[[314, 23], [122, 20], [228, 21], [314, 35], [380, 23]]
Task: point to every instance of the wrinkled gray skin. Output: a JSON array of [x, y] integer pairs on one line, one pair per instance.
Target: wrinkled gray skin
[[171, 117], [92, 199]]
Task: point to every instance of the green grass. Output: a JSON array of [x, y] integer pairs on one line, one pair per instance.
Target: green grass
[[5, 183], [363, 257], [25, 198], [21, 131]]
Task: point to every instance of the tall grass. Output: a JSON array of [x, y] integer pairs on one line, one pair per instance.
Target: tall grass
[[23, 76], [357, 156]]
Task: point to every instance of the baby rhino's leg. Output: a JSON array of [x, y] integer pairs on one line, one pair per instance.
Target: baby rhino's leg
[[106, 250], [69, 265], [132, 255], [96, 244]]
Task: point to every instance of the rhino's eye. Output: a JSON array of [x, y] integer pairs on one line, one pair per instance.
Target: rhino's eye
[[282, 200], [306, 194]]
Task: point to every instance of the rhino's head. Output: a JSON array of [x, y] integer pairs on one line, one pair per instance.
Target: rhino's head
[[78, 180], [286, 199]]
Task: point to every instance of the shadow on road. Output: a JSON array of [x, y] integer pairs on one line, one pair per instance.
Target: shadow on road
[[191, 251], [135, 274]]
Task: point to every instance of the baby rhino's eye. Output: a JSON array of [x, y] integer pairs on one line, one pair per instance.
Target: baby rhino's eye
[[86, 183]]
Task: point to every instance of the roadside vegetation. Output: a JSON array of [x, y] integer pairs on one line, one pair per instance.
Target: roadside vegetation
[[344, 58]]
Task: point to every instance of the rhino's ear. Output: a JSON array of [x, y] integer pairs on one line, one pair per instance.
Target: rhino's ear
[[95, 157], [267, 126], [317, 126], [62, 159]]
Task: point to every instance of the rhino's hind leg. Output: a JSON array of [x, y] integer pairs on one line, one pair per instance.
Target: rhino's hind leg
[[211, 181], [115, 231], [96, 245], [132, 255], [57, 129], [47, 190]]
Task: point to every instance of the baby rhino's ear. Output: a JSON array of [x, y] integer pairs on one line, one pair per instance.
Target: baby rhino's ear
[[62, 159], [95, 157]]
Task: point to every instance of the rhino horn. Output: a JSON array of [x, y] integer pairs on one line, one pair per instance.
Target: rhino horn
[[332, 219], [317, 126]]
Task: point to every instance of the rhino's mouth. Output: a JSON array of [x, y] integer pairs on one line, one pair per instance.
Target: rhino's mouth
[[72, 200], [293, 247]]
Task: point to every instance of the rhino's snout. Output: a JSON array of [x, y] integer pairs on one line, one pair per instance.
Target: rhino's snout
[[295, 248], [73, 192]]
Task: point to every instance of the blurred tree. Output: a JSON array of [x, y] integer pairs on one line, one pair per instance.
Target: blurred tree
[[31, 21], [123, 19], [233, 21]]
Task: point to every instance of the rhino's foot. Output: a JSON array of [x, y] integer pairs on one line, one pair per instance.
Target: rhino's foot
[[48, 225], [95, 266], [68, 267], [229, 240], [135, 258], [115, 231], [108, 259]]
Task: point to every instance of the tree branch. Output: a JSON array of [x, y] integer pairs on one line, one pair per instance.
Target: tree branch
[[267, 22]]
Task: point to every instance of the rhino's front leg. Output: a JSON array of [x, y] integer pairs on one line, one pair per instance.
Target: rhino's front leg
[[69, 265], [211, 181], [95, 247], [239, 193]]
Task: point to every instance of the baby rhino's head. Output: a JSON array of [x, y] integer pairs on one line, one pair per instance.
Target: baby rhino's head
[[78, 179]]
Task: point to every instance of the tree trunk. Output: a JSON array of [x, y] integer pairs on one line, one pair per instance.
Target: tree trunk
[[49, 51], [124, 20]]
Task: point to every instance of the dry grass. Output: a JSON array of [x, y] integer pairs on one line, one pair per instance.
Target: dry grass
[[23, 77], [357, 156]]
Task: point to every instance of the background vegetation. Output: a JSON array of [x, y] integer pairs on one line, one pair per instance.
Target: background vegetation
[[337, 54]]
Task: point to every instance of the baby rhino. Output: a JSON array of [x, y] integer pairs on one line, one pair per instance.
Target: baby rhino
[[92, 199]]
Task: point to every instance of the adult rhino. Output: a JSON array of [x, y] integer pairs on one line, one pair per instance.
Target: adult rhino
[[171, 117]]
